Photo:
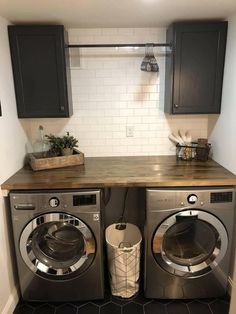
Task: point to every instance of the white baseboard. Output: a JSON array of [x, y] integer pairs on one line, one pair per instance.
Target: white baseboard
[[230, 285], [11, 302]]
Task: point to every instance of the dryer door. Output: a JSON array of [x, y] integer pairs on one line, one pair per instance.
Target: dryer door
[[190, 243], [57, 245]]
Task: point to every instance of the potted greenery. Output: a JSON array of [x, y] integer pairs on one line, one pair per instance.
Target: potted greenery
[[61, 145]]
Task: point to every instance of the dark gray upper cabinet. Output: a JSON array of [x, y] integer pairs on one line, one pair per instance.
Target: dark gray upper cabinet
[[40, 69], [194, 69]]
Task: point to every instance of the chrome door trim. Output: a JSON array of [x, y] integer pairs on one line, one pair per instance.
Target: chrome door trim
[[194, 270], [40, 268]]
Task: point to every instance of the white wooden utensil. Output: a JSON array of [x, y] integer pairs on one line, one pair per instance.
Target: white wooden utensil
[[188, 137], [176, 139], [182, 135]]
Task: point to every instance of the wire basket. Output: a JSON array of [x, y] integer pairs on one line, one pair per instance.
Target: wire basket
[[193, 152]]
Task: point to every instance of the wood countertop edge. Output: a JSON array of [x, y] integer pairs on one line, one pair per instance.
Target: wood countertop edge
[[170, 183]]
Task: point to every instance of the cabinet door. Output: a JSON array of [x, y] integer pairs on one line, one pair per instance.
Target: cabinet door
[[39, 68], [197, 64]]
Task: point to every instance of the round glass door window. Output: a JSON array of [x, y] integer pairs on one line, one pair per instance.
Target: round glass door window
[[190, 243], [58, 245]]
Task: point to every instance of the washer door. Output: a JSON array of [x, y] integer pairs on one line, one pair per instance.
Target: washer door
[[190, 243], [57, 245]]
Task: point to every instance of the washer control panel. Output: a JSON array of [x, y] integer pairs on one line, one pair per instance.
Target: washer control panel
[[54, 202], [192, 198]]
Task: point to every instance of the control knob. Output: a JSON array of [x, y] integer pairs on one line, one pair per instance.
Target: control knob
[[54, 202], [192, 199]]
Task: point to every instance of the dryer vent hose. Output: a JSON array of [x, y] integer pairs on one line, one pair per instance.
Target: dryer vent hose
[[121, 224]]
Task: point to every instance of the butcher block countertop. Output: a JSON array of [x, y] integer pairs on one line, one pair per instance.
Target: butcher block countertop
[[156, 171]]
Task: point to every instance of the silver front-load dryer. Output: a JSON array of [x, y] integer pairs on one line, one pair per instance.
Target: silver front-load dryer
[[58, 243], [188, 242]]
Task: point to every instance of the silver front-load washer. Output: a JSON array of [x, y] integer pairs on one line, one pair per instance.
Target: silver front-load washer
[[188, 242], [58, 239]]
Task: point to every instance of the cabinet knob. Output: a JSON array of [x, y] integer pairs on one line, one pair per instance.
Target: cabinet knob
[[176, 106], [62, 108]]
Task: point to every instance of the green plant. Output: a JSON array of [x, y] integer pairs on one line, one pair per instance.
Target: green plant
[[69, 141], [57, 143]]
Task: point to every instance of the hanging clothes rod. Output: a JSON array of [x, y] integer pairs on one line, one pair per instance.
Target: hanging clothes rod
[[117, 45]]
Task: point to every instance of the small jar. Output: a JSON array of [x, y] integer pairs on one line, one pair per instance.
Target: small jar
[[202, 142], [202, 149]]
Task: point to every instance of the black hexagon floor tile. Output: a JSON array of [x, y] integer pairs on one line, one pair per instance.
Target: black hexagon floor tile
[[140, 299], [66, 309], [196, 307], [33, 304], [154, 307], [88, 308], [23, 309], [177, 308], [219, 307], [45, 309], [132, 308], [138, 304], [110, 308]]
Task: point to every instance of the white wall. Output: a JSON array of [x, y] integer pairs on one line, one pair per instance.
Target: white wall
[[110, 92], [223, 136], [12, 148]]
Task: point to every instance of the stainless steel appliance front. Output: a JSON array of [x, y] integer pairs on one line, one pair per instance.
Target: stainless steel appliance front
[[58, 242], [188, 240]]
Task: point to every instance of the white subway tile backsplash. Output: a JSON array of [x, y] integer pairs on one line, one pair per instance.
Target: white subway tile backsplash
[[126, 97], [109, 31], [112, 112], [141, 112], [119, 120], [134, 120], [141, 97], [154, 96], [126, 112]]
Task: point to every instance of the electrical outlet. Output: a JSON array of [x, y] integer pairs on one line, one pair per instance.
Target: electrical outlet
[[129, 131]]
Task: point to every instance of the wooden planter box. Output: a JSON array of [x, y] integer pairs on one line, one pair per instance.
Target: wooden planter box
[[37, 162]]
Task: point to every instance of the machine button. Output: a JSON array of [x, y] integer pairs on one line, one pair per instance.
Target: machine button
[[54, 202], [192, 199]]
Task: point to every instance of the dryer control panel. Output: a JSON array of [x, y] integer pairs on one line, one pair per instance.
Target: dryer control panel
[[173, 198], [221, 197]]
